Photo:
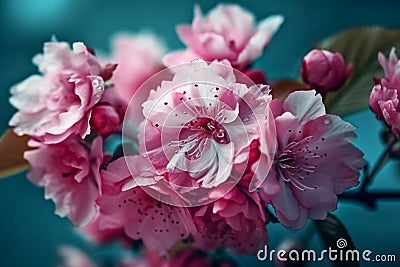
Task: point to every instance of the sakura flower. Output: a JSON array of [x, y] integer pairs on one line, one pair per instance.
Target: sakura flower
[[138, 57], [384, 98], [58, 104], [237, 221], [201, 124], [125, 204], [69, 172], [325, 71], [314, 163], [227, 32]]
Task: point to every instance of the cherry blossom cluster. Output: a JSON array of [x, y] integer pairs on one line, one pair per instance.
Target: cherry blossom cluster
[[208, 154]]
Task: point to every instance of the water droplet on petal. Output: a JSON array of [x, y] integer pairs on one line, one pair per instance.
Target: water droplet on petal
[[327, 121]]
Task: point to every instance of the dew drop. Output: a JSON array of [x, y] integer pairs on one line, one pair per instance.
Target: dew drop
[[327, 121]]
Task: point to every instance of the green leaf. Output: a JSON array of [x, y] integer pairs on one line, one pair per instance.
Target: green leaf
[[361, 47], [12, 148], [332, 231]]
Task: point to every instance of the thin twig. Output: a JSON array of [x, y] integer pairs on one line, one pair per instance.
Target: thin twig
[[370, 198], [382, 159]]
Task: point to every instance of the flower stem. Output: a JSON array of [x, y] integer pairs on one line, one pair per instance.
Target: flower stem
[[382, 160], [370, 198]]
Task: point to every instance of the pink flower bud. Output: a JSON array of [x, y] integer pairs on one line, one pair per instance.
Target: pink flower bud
[[325, 71], [105, 119]]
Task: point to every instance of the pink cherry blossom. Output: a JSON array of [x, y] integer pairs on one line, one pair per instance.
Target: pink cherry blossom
[[236, 221], [126, 205], [58, 103], [227, 32], [138, 58], [201, 124], [69, 172], [325, 71], [314, 163], [384, 98]]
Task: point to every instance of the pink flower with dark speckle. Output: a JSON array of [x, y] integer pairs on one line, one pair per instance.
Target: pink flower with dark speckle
[[124, 204], [201, 123], [315, 160]]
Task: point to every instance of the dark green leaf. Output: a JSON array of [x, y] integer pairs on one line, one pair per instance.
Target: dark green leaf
[[361, 47], [332, 231]]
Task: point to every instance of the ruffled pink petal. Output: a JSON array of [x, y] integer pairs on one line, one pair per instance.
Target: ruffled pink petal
[[265, 30], [305, 105]]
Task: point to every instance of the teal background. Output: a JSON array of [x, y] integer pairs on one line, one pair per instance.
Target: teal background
[[30, 232]]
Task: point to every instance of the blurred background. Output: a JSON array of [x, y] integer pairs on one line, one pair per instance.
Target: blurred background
[[30, 233]]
